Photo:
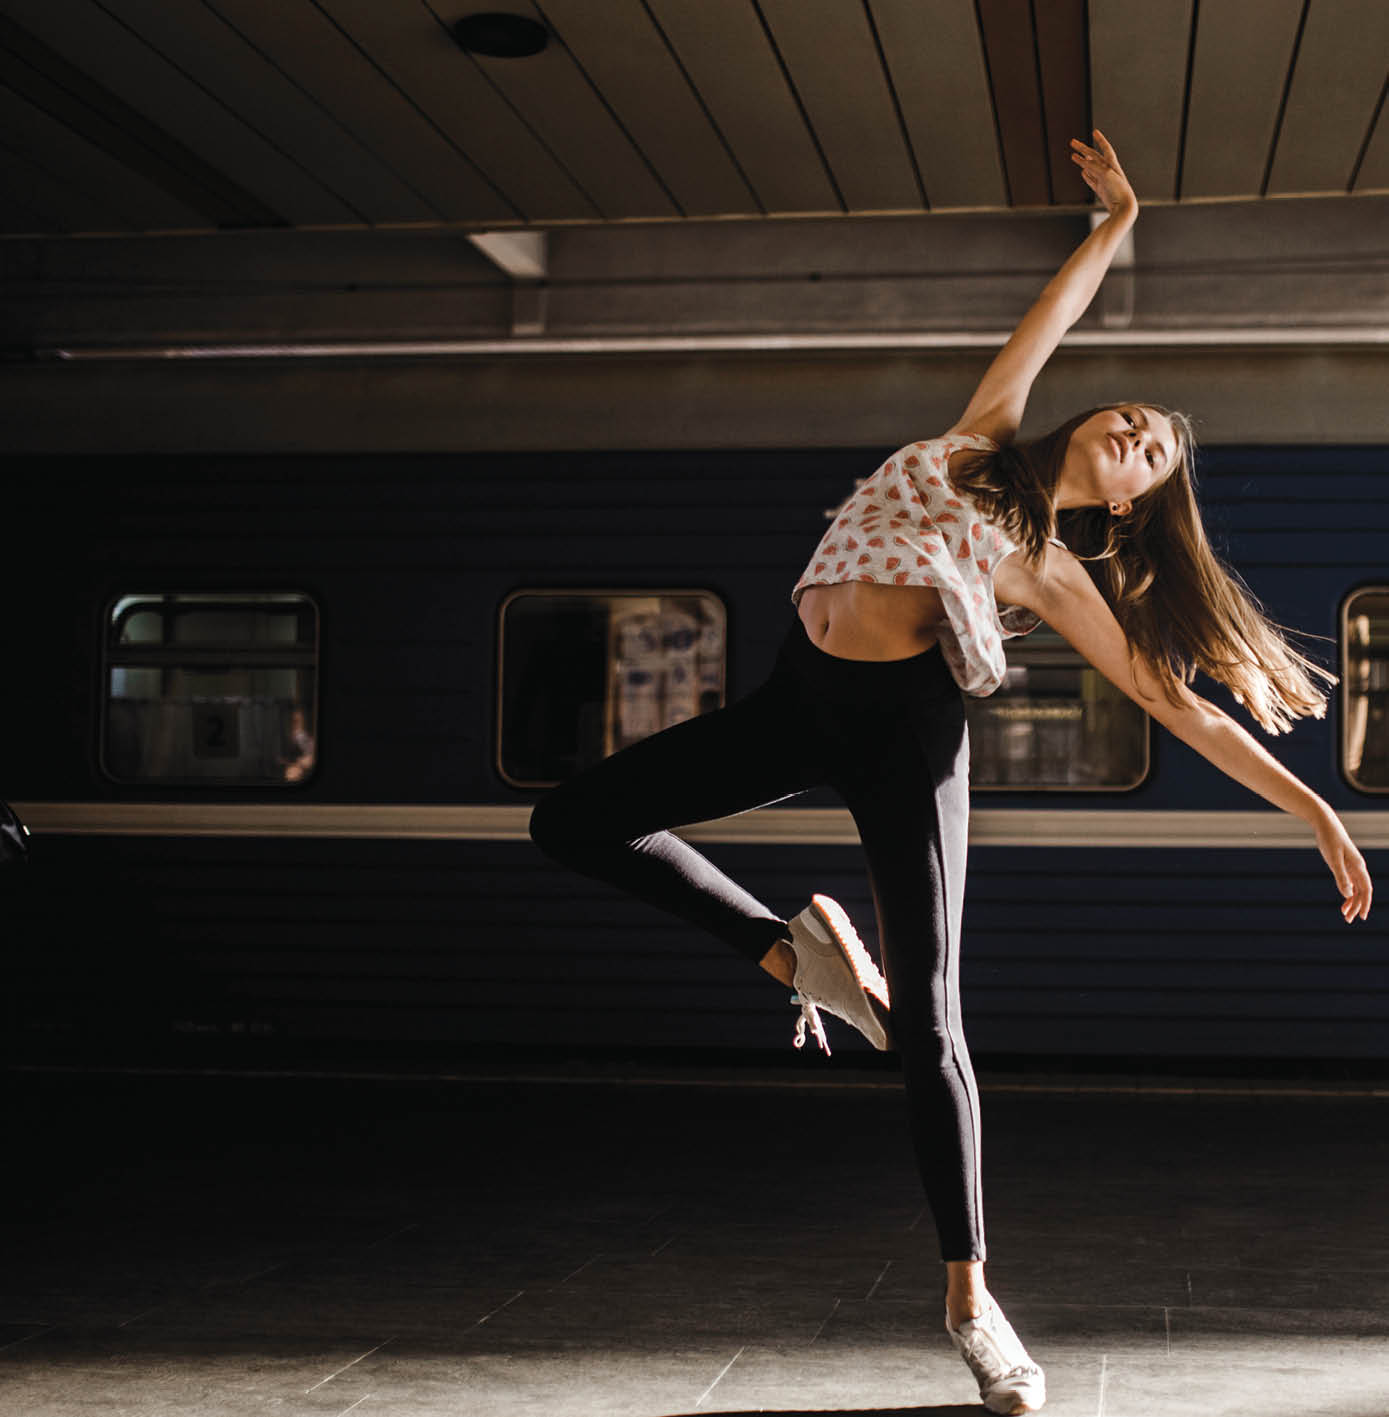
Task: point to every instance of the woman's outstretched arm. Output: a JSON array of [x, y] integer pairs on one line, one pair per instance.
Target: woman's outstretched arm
[[1066, 598], [997, 406]]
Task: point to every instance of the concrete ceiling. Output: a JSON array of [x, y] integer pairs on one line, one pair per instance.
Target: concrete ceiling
[[291, 179], [127, 116]]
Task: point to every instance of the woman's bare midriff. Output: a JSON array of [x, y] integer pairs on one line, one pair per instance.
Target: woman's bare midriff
[[864, 620]]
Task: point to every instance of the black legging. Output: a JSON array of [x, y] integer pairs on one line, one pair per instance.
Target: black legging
[[889, 736]]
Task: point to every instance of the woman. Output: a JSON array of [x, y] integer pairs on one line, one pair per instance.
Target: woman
[[950, 547]]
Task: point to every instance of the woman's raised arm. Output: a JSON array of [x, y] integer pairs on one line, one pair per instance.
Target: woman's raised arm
[[1066, 598], [997, 406]]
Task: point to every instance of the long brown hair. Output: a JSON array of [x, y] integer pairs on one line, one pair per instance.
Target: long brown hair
[[1177, 604]]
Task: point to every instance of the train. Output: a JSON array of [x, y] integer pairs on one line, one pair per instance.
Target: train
[[277, 721]]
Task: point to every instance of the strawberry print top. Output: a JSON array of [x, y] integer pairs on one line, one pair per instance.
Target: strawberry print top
[[906, 525]]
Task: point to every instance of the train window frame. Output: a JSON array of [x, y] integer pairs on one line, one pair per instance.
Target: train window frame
[[587, 592], [121, 606], [1345, 691], [1017, 651]]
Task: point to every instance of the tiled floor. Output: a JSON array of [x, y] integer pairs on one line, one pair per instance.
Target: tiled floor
[[673, 1244]]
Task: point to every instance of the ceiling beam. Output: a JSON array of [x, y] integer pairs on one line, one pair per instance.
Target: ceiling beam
[[1232, 338], [522, 255]]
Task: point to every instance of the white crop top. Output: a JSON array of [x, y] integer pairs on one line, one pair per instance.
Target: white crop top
[[906, 525]]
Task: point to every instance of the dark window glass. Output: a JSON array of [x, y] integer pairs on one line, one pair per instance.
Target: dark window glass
[[1365, 689], [1055, 723], [584, 673], [210, 688]]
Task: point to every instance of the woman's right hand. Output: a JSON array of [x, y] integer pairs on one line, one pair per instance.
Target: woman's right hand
[[1347, 866], [997, 406], [1099, 166]]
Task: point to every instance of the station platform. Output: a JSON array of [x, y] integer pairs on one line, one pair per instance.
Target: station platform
[[567, 1239]]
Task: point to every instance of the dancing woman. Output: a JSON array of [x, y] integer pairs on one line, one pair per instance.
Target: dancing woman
[[950, 547]]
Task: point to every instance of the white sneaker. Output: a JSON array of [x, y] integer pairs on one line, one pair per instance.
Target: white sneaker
[[1009, 1381], [834, 971]]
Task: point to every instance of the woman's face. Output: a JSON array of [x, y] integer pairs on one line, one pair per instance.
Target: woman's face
[[1115, 456]]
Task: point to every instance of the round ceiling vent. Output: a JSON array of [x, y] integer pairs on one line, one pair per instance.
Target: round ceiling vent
[[501, 36]]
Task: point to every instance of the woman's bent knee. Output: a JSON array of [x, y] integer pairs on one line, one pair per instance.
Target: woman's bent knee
[[560, 824], [550, 827]]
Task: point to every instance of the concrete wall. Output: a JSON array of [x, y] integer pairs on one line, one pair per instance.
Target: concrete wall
[[1312, 396], [1267, 321]]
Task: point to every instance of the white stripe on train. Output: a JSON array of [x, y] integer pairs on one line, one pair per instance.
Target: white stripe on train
[[789, 826]]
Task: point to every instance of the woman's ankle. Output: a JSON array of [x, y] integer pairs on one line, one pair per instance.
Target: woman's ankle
[[780, 963], [966, 1296], [961, 1311]]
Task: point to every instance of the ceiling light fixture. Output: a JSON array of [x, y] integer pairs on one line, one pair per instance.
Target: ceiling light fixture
[[500, 36]]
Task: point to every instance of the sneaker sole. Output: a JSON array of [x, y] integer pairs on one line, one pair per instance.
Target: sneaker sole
[[836, 920], [841, 931], [1017, 1409]]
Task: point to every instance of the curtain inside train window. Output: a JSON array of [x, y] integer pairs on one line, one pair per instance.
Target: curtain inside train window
[[1365, 689], [1055, 724], [583, 673], [203, 689]]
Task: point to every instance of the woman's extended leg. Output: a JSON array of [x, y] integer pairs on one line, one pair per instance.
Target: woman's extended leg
[[911, 806], [611, 821], [913, 825]]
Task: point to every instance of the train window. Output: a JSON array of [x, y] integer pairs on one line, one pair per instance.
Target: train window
[[1055, 724], [1365, 689], [205, 689], [584, 673]]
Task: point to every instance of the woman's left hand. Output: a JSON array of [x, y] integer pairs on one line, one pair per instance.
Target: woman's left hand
[[1099, 166], [1347, 865]]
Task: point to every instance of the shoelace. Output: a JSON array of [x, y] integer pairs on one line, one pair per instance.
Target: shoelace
[[809, 1015], [983, 1340]]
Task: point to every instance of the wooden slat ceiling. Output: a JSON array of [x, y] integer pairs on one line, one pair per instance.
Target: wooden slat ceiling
[[142, 116]]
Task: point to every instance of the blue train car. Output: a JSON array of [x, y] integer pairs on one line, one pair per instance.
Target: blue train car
[[258, 724]]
